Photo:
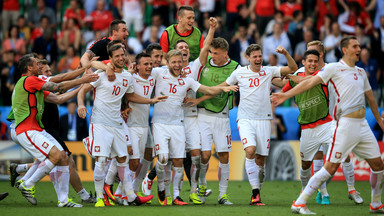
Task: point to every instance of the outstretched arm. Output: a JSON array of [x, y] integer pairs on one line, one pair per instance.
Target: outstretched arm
[[292, 66], [141, 100], [73, 74], [59, 99], [215, 90], [81, 110], [64, 86]]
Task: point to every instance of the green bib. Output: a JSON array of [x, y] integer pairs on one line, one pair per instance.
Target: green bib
[[212, 76], [21, 108], [193, 40], [313, 104]]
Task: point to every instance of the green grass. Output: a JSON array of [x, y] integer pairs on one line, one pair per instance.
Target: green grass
[[277, 196]]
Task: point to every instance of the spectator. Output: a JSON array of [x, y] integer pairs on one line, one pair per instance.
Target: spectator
[[373, 71], [325, 29], [207, 9], [355, 15], [73, 11], [297, 22], [132, 12], [233, 12], [14, 42], [363, 39], [324, 8], [361, 3], [264, 10], [8, 77], [35, 15], [161, 7], [239, 43], [154, 38], [70, 35], [332, 43], [46, 48], [5, 134], [278, 38], [378, 43], [9, 13], [25, 31], [378, 14], [192, 3], [278, 17], [91, 5], [97, 36], [288, 8], [273, 60], [301, 48], [156, 21], [72, 127], [39, 30], [101, 18], [308, 25], [69, 62]]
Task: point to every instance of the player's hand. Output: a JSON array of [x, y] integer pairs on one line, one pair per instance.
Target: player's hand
[[82, 111], [132, 68], [191, 102], [158, 99], [87, 78], [278, 98], [230, 88], [110, 74], [125, 113], [130, 150], [281, 50], [89, 64], [212, 22]]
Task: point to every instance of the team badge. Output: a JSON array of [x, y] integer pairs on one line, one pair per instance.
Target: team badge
[[187, 70], [97, 148], [262, 73], [151, 82], [125, 82], [181, 82], [244, 141], [338, 155], [45, 145]]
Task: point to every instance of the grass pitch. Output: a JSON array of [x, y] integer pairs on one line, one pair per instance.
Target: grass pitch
[[277, 196]]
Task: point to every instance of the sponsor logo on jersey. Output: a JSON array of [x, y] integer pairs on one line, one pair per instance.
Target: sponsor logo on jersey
[[45, 145], [181, 81], [125, 82]]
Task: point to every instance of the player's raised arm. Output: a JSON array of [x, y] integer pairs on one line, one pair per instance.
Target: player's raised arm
[[292, 66], [86, 58], [208, 40], [280, 97], [81, 109]]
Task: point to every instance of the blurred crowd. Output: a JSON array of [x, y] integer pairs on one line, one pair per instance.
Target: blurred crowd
[[61, 30]]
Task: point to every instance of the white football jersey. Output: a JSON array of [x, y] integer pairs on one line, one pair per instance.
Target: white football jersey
[[107, 98], [140, 112], [192, 71], [170, 111], [348, 84], [255, 89]]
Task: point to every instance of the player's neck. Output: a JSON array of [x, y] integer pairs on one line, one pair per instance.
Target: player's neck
[[181, 29], [143, 76], [321, 64], [349, 62], [185, 63], [254, 69]]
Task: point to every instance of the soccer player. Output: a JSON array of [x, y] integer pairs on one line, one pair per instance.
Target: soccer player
[[184, 30], [27, 110], [109, 135], [156, 53], [168, 128], [352, 131], [255, 111], [318, 160], [213, 116]]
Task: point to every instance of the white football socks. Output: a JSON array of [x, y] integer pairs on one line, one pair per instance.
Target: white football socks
[[21, 168], [98, 175], [314, 183], [178, 176], [203, 174], [168, 178], [44, 167], [349, 174], [62, 178], [195, 171], [223, 178], [252, 172], [140, 174], [160, 171], [376, 181], [305, 175], [31, 170], [111, 173]]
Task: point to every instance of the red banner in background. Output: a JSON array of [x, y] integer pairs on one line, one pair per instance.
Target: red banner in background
[[362, 169]]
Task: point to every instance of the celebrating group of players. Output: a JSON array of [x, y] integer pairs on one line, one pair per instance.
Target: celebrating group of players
[[192, 102]]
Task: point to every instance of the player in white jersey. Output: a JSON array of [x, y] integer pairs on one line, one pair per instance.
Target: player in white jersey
[[352, 132], [255, 111], [168, 117], [109, 135]]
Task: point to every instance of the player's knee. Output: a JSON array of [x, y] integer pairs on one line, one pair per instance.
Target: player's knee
[[223, 157], [306, 164], [101, 162], [196, 160], [163, 158]]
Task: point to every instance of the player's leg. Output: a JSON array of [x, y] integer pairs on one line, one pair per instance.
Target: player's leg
[[167, 181], [349, 174], [145, 161], [177, 181], [16, 169]]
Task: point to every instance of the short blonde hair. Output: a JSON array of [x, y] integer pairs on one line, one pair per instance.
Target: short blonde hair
[[173, 53], [318, 44]]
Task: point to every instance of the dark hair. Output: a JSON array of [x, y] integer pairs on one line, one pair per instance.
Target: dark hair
[[10, 29], [252, 48], [24, 62], [345, 41], [114, 42], [179, 41], [111, 49], [151, 47], [181, 10], [311, 52], [44, 17], [140, 56], [296, 13], [114, 26], [220, 43]]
